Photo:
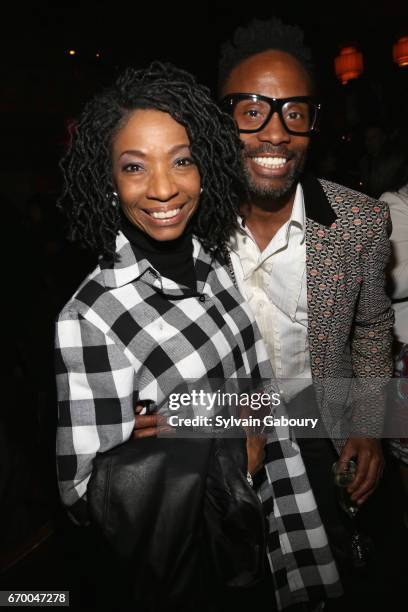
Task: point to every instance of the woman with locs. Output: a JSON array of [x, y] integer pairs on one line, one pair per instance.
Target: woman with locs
[[152, 185]]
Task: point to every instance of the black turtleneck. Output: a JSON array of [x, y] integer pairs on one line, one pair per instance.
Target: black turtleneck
[[171, 258]]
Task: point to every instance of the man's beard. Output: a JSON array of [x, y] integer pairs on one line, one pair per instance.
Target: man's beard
[[264, 190]]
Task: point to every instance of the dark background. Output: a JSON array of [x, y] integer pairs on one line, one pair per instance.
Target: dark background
[[42, 89]]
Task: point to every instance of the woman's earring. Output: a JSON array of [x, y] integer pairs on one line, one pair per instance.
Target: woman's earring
[[114, 199]]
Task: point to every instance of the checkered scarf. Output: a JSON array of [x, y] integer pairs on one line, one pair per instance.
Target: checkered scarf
[[302, 565]]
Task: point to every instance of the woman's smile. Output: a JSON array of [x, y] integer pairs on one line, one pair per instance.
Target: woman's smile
[[155, 176]]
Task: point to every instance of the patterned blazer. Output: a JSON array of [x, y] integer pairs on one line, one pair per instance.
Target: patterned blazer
[[349, 314]]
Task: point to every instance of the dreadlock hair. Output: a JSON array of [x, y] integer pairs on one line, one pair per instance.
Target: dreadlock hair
[[261, 36], [87, 166]]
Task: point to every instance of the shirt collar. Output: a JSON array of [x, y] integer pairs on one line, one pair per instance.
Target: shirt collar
[[128, 267], [317, 201], [297, 217]]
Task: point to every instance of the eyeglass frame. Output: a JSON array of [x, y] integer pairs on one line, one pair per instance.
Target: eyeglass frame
[[276, 105]]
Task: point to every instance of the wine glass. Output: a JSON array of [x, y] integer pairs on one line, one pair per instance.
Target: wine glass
[[344, 473]]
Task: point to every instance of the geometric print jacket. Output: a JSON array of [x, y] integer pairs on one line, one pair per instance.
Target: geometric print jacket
[[350, 318]]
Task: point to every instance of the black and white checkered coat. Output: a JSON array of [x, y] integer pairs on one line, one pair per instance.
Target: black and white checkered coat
[[129, 334]]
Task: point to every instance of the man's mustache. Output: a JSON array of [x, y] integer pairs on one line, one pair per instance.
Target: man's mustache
[[267, 149]]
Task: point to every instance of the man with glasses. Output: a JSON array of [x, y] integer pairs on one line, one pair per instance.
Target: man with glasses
[[309, 256]]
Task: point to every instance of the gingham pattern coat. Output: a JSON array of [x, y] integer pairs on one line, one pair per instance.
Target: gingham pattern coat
[[129, 334]]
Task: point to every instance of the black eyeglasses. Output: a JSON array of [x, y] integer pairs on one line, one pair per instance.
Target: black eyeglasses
[[252, 112]]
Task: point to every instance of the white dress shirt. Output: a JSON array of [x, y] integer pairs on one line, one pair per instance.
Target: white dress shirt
[[274, 283]]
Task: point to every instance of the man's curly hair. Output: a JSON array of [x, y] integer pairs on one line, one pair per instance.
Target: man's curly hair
[[215, 147], [261, 36]]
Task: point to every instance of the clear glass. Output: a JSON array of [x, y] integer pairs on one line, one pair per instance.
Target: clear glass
[[343, 475]]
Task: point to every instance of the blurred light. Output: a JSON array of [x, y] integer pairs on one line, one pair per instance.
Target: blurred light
[[98, 55], [400, 51], [348, 64], [72, 52]]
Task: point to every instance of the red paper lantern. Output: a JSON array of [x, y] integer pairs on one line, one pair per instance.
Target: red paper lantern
[[400, 51], [348, 64]]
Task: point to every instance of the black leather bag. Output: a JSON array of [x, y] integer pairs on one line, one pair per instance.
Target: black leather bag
[[181, 515]]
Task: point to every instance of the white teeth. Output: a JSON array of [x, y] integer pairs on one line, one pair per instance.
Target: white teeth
[[165, 215], [270, 162]]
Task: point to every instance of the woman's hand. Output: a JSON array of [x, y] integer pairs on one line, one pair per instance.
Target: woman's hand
[[147, 425]]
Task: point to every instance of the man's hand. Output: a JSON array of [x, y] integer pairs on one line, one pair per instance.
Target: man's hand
[[147, 425], [255, 439], [370, 465], [256, 451]]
